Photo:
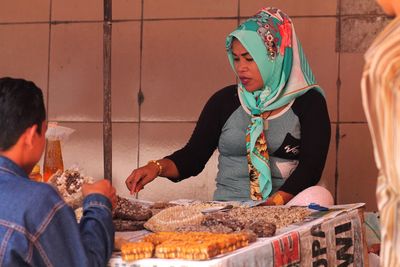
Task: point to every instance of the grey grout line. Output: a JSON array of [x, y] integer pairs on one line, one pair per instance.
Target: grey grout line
[[364, 15], [24, 22], [239, 17]]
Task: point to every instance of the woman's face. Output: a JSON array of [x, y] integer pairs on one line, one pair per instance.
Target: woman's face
[[246, 68]]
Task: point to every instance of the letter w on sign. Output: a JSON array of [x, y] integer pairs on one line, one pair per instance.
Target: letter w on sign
[[344, 244], [287, 250]]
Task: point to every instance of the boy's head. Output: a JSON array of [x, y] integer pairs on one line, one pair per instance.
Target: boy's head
[[22, 113]]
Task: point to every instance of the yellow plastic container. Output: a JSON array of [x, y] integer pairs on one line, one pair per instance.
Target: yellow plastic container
[[35, 174], [53, 160]]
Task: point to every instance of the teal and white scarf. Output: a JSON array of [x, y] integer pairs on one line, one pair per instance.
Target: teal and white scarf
[[270, 39]]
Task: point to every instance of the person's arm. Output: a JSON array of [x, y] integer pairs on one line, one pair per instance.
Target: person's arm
[[191, 159], [62, 242], [97, 229], [278, 198], [147, 173], [315, 138]]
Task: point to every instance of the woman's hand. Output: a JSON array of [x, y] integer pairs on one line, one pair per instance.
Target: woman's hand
[[278, 198], [141, 176]]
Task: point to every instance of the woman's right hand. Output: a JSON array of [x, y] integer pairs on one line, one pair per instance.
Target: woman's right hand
[[140, 177]]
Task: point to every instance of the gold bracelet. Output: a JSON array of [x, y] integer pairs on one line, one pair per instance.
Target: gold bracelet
[[158, 165], [277, 199]]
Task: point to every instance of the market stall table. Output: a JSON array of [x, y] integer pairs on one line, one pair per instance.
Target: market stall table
[[328, 238]]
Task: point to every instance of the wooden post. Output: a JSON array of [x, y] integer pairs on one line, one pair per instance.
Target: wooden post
[[107, 125]]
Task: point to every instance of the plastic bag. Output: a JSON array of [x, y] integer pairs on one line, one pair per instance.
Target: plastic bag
[[53, 160]]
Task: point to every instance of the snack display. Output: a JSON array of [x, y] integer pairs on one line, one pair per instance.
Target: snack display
[[261, 228], [187, 250], [215, 241], [127, 210], [128, 225], [223, 218], [217, 228], [262, 220], [130, 216], [192, 245], [223, 222], [198, 231], [131, 251], [118, 242], [158, 206], [281, 216], [170, 219], [69, 185]]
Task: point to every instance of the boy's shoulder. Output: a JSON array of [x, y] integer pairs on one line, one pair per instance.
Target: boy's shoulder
[[28, 203], [38, 194], [47, 191]]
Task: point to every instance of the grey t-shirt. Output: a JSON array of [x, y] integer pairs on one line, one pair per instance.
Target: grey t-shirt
[[298, 141], [233, 177]]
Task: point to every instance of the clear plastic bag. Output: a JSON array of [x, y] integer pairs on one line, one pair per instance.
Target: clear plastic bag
[[53, 160]]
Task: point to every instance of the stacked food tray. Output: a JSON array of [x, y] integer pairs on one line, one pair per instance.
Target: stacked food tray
[[186, 234]]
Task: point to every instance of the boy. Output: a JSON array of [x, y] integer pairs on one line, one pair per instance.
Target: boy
[[37, 228]]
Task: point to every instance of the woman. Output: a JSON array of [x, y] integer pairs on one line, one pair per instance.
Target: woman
[[272, 130]]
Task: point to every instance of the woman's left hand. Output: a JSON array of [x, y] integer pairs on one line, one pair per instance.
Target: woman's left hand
[[278, 198]]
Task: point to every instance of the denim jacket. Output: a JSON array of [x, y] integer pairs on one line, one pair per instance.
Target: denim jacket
[[37, 228]]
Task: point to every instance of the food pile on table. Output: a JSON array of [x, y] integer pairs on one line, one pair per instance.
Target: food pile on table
[[189, 245], [197, 230]]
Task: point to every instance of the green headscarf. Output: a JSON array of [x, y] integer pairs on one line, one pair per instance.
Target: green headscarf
[[270, 39]]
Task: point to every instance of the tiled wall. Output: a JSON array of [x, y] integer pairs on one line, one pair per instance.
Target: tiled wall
[[173, 52]]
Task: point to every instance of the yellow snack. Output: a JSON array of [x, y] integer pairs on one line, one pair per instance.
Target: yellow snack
[[195, 245], [131, 251]]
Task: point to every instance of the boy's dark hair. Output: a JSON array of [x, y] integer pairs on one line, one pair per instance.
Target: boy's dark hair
[[21, 107]]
